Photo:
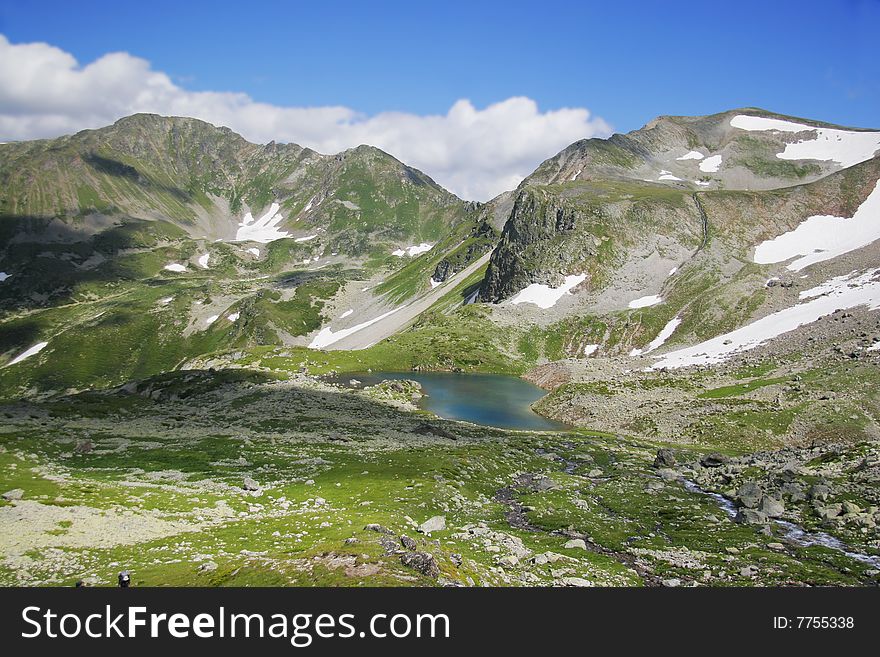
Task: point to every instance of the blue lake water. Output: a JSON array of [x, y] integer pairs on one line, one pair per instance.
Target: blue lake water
[[494, 400]]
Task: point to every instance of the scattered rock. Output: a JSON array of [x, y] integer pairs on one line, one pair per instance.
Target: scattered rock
[[374, 527], [426, 429], [408, 543], [672, 582]]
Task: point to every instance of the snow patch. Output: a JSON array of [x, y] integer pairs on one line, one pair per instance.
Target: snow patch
[[590, 349], [165, 301], [839, 293], [644, 302], [346, 313], [666, 175], [263, 230], [672, 271], [845, 147], [326, 336], [37, 348], [545, 296], [174, 266], [233, 317], [711, 164], [822, 237], [203, 260], [4, 276], [574, 177], [413, 250], [664, 334], [212, 319], [254, 251], [435, 283], [691, 155], [874, 347], [305, 239]]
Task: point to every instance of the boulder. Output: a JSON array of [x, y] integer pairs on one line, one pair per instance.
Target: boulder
[[434, 524], [576, 581], [851, 508], [819, 492], [793, 491], [751, 517], [830, 511], [749, 495], [575, 543], [668, 474], [408, 543], [13, 495], [374, 527], [714, 460], [665, 458], [250, 484], [772, 507], [422, 562]]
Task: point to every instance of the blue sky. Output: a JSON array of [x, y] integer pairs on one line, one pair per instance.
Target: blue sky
[[625, 62]]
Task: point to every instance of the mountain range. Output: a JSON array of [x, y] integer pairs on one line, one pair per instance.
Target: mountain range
[[180, 308]]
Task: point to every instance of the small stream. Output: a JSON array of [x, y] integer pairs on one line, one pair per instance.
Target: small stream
[[793, 533]]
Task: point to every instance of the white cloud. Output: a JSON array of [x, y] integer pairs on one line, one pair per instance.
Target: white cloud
[[476, 153]]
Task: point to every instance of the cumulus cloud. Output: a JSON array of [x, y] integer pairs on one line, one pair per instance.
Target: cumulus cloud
[[476, 153]]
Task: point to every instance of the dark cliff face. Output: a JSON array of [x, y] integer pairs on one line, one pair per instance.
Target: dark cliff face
[[525, 253]]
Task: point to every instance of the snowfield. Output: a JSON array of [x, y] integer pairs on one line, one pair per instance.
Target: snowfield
[[175, 267], [263, 230], [545, 296], [37, 348], [326, 336], [644, 302], [839, 293], [711, 164], [424, 247], [203, 260], [845, 147], [823, 237], [691, 155]]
